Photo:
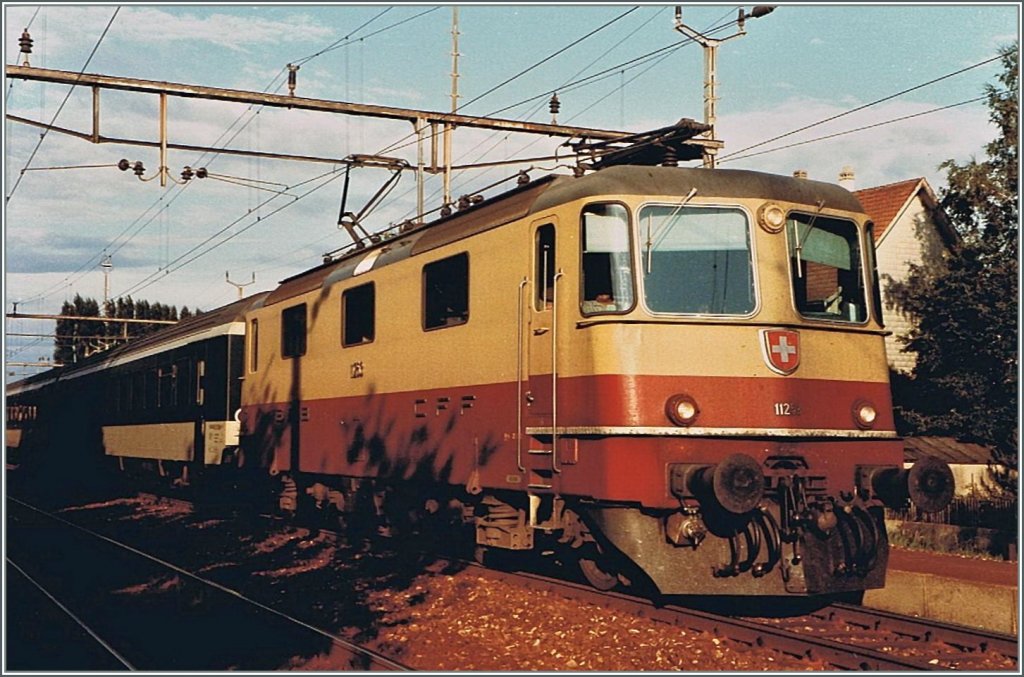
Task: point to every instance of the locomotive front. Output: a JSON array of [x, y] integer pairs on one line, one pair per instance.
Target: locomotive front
[[722, 407]]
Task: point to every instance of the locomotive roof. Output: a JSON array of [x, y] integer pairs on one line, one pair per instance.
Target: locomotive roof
[[553, 190], [204, 324]]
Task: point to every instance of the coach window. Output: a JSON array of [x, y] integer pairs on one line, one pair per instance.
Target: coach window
[[696, 260], [357, 315], [165, 376], [124, 385], [152, 389], [607, 284], [138, 391], [293, 331], [446, 292], [183, 382], [824, 254]]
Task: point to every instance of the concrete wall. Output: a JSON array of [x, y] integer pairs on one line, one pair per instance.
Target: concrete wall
[[951, 600]]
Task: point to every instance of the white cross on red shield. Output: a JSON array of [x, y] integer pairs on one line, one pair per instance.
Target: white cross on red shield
[[781, 350]]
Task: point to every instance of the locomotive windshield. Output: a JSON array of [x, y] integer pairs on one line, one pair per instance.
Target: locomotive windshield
[[696, 260], [828, 282]]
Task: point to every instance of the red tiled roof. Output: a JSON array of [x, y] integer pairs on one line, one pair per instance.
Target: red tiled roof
[[945, 448], [883, 203]]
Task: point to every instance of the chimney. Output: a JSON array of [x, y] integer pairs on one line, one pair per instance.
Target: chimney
[[846, 179], [800, 174]]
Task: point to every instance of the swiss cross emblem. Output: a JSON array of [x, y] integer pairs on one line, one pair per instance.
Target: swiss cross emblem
[[781, 350]]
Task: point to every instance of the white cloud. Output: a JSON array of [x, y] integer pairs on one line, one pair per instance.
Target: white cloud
[[883, 154], [74, 28]]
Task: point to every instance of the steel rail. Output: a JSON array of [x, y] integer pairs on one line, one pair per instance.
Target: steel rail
[[361, 658], [82, 624], [742, 632], [915, 629]]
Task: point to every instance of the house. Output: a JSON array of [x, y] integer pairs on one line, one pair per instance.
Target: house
[[909, 228], [969, 462]]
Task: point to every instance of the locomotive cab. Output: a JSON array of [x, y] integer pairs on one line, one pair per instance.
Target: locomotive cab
[[720, 401]]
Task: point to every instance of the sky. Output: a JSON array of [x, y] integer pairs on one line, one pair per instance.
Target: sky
[[614, 66]]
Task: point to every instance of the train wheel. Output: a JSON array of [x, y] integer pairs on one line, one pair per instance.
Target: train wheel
[[599, 572]]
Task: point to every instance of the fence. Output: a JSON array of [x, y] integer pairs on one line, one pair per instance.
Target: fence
[[966, 511]]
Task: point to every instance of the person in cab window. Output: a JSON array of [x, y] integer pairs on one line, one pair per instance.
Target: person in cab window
[[601, 303]]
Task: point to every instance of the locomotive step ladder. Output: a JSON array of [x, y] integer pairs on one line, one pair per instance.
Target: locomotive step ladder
[[539, 467]]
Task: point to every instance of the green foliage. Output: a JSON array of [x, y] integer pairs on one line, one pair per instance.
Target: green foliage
[[965, 311], [77, 339]]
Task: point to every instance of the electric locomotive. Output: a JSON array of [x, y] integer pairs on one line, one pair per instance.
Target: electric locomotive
[[655, 373]]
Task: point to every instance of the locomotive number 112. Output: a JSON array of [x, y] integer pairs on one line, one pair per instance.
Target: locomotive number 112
[[787, 409]]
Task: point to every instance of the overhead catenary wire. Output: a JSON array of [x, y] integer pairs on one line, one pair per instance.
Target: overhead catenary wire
[[858, 129], [861, 107], [401, 143], [212, 155], [42, 137], [657, 56], [197, 252], [726, 156]]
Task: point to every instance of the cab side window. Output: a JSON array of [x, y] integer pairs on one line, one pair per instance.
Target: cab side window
[[446, 292], [293, 331], [544, 257], [357, 315]]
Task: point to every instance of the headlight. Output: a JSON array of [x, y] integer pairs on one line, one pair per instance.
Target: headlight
[[864, 414], [771, 217], [682, 409]]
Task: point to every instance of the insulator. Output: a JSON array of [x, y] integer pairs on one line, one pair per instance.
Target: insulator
[[523, 179], [123, 165], [292, 77], [554, 105], [26, 44], [670, 159], [201, 173], [446, 210], [138, 168], [187, 174], [463, 202]]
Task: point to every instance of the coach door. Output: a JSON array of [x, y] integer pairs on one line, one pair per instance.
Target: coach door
[[539, 397]]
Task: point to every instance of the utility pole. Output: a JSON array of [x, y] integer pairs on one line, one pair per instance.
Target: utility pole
[[455, 106], [106, 265], [239, 286], [710, 46]]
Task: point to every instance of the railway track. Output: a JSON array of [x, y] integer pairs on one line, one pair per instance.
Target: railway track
[[845, 637], [938, 644], [841, 637], [97, 580]]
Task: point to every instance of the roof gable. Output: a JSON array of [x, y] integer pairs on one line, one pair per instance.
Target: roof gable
[[884, 203]]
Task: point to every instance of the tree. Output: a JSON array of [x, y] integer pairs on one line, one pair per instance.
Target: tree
[[965, 311], [72, 342], [77, 339]]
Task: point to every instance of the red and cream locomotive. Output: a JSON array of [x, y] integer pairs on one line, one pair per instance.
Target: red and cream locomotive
[[667, 375], [656, 372]]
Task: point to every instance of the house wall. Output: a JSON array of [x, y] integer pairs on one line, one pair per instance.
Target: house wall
[[913, 238]]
